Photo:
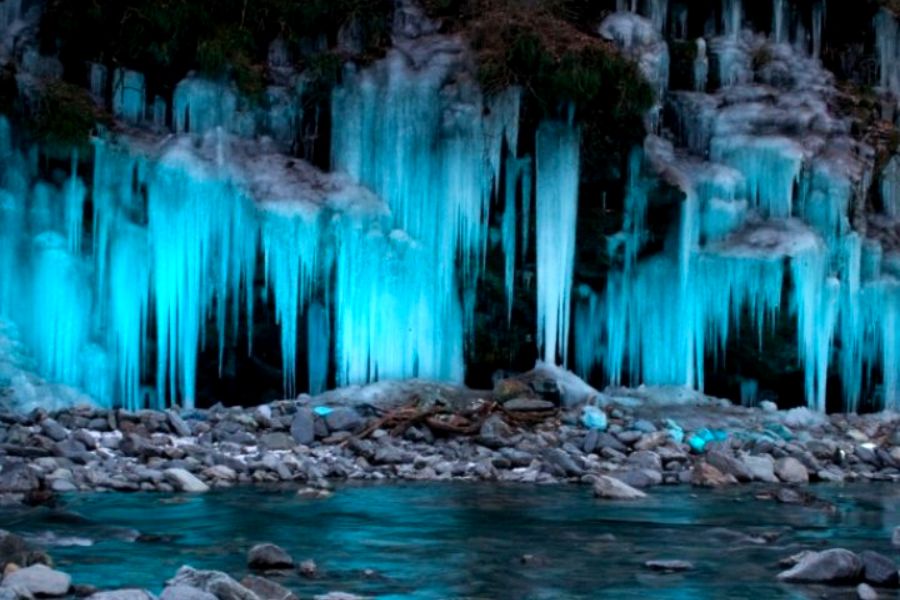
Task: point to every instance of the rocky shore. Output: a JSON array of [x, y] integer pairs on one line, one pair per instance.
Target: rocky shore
[[545, 427]]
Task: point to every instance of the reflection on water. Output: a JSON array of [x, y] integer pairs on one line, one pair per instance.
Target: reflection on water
[[465, 540]]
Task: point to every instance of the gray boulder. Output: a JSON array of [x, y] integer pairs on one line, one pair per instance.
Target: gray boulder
[[494, 432], [267, 589], [865, 591], [596, 440], [611, 488], [13, 549], [269, 556], [185, 592], [185, 481], [729, 465], [53, 430], [276, 440], [833, 566], [303, 427], [344, 418], [560, 462], [645, 459], [791, 470], [761, 468], [879, 570], [127, 594], [39, 580], [17, 478], [15, 593], [706, 475], [640, 478], [177, 424], [216, 583], [528, 405]]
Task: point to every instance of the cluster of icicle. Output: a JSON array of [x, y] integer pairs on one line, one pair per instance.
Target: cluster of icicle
[[371, 270], [769, 180]]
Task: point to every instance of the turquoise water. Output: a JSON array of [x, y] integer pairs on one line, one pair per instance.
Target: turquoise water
[[465, 540]]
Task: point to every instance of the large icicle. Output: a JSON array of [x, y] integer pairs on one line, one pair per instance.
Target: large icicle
[[290, 244], [508, 232], [557, 167], [430, 152]]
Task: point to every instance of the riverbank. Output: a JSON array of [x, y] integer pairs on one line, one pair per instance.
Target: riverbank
[[544, 427]]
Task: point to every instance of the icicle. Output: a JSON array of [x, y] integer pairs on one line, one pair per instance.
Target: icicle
[[75, 195], [128, 291], [588, 331], [886, 33], [890, 341], [202, 232], [58, 305], [435, 166], [98, 80], [818, 23], [749, 392], [526, 171], [12, 228], [392, 317], [318, 344], [815, 302], [779, 27], [680, 21], [770, 165], [557, 162], [290, 243], [199, 106], [508, 228], [890, 188], [658, 14], [129, 95], [701, 66], [732, 15]]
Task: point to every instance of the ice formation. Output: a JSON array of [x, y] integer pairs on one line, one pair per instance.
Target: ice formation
[[769, 179], [556, 162], [372, 269]]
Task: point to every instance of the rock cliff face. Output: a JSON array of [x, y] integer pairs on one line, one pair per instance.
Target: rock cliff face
[[384, 190]]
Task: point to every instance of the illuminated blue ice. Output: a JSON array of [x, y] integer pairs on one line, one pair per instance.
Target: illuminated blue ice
[[557, 167], [129, 100]]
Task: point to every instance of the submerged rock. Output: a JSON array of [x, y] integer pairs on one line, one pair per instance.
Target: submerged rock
[[269, 556], [185, 592], [866, 592], [13, 549], [833, 566], [879, 570], [127, 594], [267, 589], [216, 583], [669, 565], [39, 580], [308, 568]]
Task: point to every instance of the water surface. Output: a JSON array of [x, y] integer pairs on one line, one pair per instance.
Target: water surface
[[458, 540]]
